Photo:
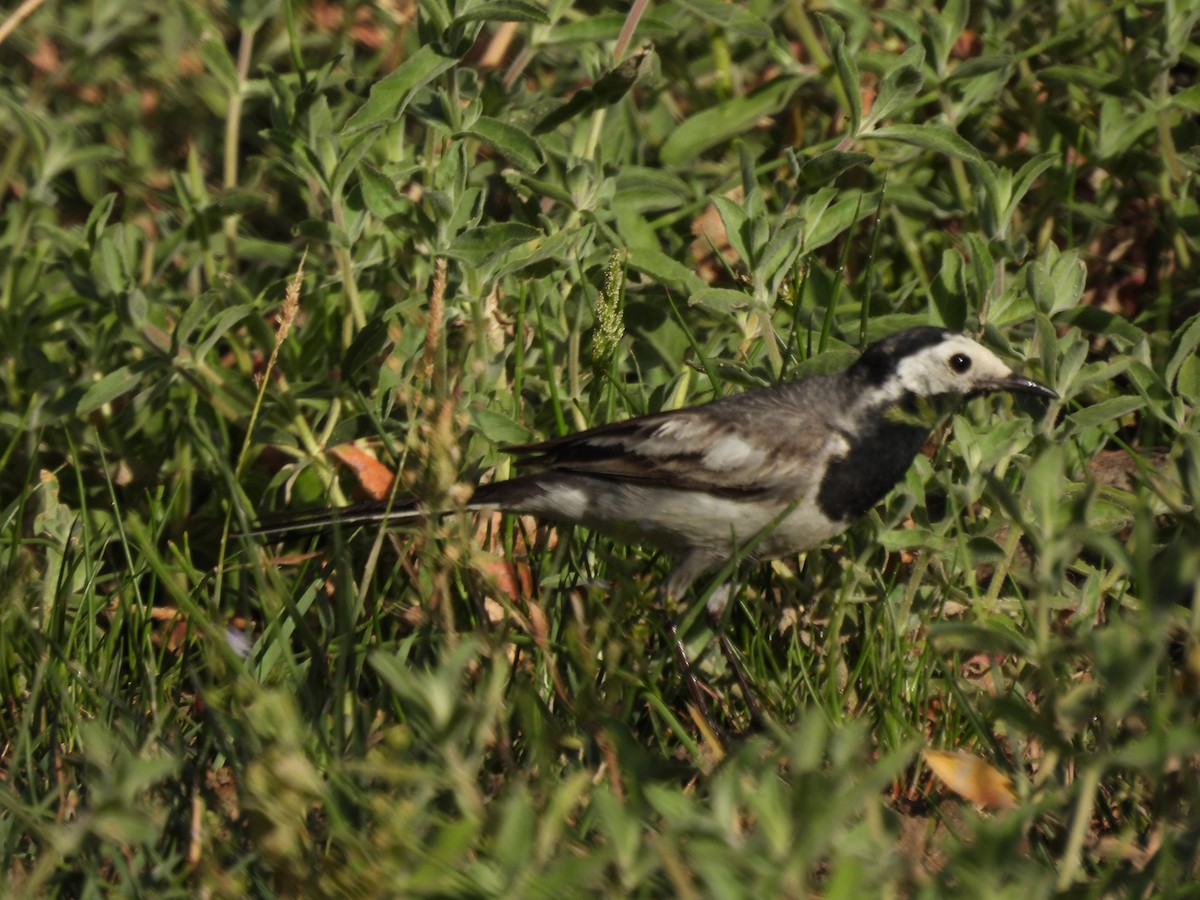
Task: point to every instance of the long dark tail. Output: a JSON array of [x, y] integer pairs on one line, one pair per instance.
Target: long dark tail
[[504, 495]]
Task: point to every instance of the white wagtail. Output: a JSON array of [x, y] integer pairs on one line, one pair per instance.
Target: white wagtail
[[769, 473]]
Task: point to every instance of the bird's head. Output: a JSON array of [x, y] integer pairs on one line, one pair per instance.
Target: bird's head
[[935, 363]]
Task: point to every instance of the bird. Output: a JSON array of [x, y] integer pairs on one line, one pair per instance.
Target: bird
[[767, 473]]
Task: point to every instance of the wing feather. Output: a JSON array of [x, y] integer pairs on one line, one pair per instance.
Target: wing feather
[[759, 442]]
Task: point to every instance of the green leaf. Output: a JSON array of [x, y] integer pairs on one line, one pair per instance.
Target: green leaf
[[1000, 639], [641, 188], [558, 246], [390, 95], [98, 218], [475, 245], [1119, 129], [1106, 411], [1043, 486], [729, 17], [949, 291], [1091, 79], [785, 245], [720, 123], [515, 143], [971, 69], [606, 26], [500, 428], [504, 11], [1187, 382], [830, 222], [847, 69], [900, 85], [1025, 178], [607, 90], [210, 45], [381, 195], [734, 218], [663, 268], [1056, 280], [983, 268], [820, 170], [720, 300], [113, 385], [366, 347], [1185, 348], [1096, 321], [226, 320], [935, 138]]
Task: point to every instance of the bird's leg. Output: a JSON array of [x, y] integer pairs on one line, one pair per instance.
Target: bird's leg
[[717, 603], [675, 588], [693, 683]]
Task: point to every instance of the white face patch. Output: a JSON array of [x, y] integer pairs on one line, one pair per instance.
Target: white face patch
[[956, 365]]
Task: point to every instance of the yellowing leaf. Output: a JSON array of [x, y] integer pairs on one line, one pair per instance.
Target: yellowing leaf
[[972, 778]]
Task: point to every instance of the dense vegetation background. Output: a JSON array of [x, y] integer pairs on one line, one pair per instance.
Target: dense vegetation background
[[237, 238]]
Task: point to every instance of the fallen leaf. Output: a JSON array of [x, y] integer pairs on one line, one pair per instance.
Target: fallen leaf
[[972, 778], [373, 476]]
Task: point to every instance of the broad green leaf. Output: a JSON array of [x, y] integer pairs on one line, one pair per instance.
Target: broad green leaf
[[835, 219], [1120, 128], [504, 11], [847, 69], [607, 90], [783, 248], [1187, 382], [643, 188], [1043, 487], [936, 138], [1106, 411], [712, 126], [721, 300], [1185, 348], [663, 268], [113, 385], [1092, 79], [818, 171], [980, 65], [390, 95], [210, 44], [366, 347], [500, 428], [226, 320], [555, 248], [829, 362], [900, 85], [98, 218], [734, 218], [983, 267], [730, 17], [949, 291], [515, 143], [381, 195], [606, 26], [1025, 178], [475, 245], [1056, 281], [1096, 321]]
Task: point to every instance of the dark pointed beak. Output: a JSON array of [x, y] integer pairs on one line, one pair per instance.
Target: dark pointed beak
[[1017, 384]]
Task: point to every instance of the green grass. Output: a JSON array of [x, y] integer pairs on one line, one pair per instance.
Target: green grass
[[492, 241]]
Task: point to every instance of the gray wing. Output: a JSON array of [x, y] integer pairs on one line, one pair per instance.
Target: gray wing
[[753, 443]]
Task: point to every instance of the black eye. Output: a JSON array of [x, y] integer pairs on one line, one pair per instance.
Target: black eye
[[960, 362]]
